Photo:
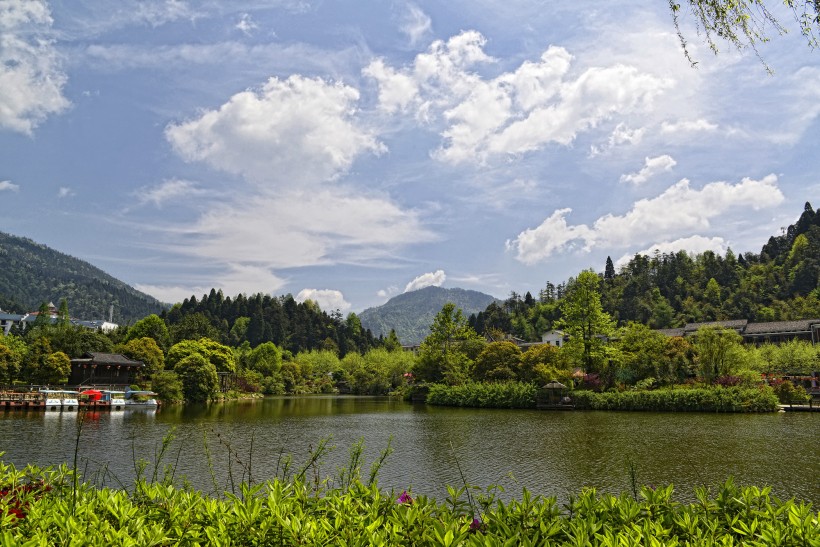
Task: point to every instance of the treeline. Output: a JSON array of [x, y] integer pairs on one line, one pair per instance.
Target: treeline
[[291, 325], [666, 290]]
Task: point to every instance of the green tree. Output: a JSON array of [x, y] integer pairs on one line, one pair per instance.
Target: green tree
[[542, 363], [266, 358], [498, 361], [145, 349], [719, 352], [151, 327], [641, 349], [441, 355], [194, 327], [55, 370], [168, 387], [200, 382], [586, 323], [63, 318]]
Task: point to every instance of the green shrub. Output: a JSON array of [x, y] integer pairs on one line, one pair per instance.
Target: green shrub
[[713, 399], [484, 395]]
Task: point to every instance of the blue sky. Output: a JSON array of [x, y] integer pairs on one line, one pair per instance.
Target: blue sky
[[348, 151]]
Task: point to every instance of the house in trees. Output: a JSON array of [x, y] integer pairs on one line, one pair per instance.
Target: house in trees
[[554, 338], [95, 368]]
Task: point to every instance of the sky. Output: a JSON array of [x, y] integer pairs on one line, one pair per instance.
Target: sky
[[348, 151]]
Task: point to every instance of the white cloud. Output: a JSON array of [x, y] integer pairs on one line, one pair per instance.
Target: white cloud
[[415, 23], [168, 190], [327, 299], [64, 192], [246, 25], [31, 79], [689, 126], [8, 185], [164, 11], [676, 212], [235, 279], [621, 135], [516, 112], [292, 132], [388, 292], [651, 167], [692, 245], [431, 279], [296, 228]]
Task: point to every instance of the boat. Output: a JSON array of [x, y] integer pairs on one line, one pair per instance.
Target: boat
[[115, 399], [60, 399], [140, 399]]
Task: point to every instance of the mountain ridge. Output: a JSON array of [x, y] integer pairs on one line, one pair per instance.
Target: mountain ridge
[[410, 314], [34, 273]]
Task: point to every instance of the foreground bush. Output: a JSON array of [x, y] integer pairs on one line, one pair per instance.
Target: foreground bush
[[48, 508], [484, 395], [714, 399]]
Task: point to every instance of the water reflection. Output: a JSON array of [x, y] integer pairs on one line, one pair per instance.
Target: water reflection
[[550, 453]]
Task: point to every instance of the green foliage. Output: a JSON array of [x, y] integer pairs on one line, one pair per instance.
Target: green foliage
[[713, 399], [51, 507], [498, 361], [200, 382], [168, 386], [145, 350], [792, 357], [442, 355], [484, 395], [13, 350], [153, 327], [788, 393], [719, 352], [266, 359], [586, 323]]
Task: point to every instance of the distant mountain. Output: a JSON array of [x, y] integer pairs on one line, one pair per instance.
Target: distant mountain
[[411, 313], [31, 273]]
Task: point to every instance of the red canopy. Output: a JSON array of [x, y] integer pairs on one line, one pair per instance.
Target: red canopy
[[92, 394]]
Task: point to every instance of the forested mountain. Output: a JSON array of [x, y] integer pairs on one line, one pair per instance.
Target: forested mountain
[[32, 274], [411, 313], [665, 290], [293, 326]]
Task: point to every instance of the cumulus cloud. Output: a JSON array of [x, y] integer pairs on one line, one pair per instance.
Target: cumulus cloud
[[679, 210], [415, 23], [290, 132], [693, 245], [651, 167], [328, 299], [31, 79], [168, 190], [431, 279], [246, 25], [8, 185], [538, 103], [65, 192]]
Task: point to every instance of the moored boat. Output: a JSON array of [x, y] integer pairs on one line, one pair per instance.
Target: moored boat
[[140, 399], [60, 399]]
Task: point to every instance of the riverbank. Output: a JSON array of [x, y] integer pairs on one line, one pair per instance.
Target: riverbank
[[51, 507]]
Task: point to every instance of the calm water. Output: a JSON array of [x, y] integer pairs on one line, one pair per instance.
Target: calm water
[[550, 453]]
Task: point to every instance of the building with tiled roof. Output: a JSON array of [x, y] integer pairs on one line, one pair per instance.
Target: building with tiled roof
[[758, 333]]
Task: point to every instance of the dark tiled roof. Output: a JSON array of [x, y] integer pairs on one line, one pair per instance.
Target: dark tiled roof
[[98, 358], [737, 324], [672, 332], [803, 325]]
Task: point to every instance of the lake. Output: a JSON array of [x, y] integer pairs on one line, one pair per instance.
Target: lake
[[548, 452]]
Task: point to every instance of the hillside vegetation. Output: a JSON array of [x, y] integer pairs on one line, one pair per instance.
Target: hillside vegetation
[[33, 273], [665, 290], [410, 314]]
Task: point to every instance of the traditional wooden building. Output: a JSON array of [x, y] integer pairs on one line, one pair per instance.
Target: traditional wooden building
[[104, 369], [774, 332]]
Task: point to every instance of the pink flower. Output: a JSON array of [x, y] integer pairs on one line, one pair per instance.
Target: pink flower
[[476, 525], [405, 498]]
